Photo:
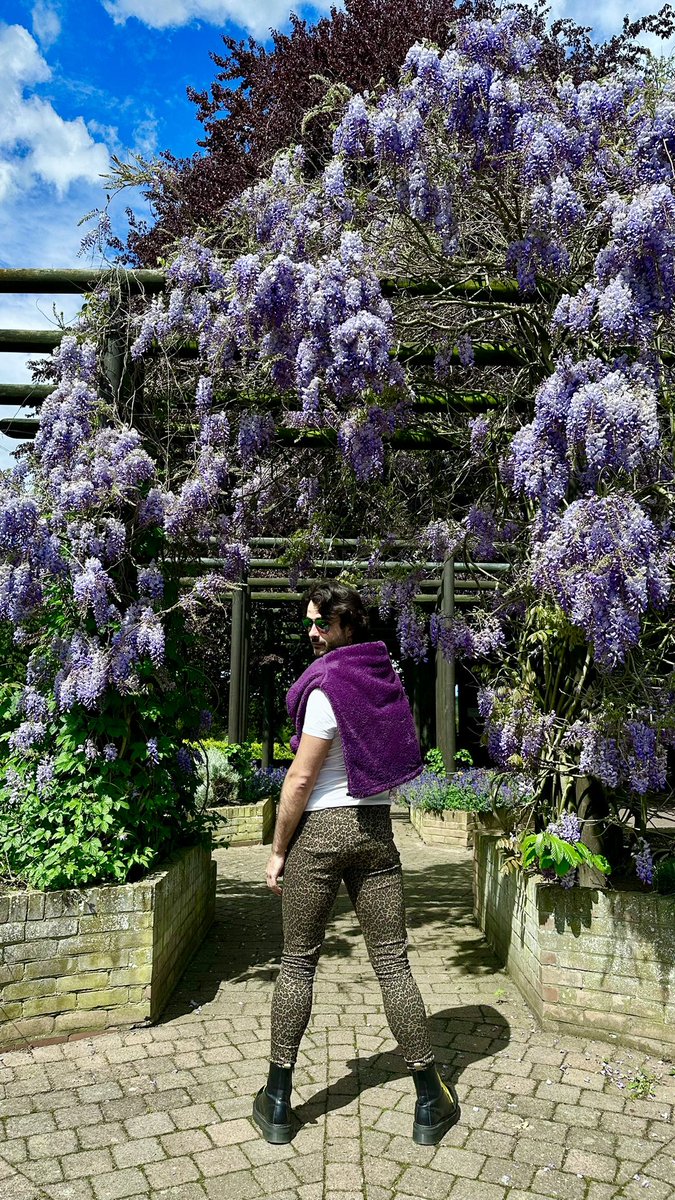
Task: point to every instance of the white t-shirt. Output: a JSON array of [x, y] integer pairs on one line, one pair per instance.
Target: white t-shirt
[[330, 789]]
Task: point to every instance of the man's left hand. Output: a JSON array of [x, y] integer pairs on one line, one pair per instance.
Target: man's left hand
[[275, 869]]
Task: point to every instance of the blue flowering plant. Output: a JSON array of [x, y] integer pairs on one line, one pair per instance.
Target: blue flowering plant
[[468, 791]]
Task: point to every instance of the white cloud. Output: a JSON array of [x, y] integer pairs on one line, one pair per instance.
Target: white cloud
[[256, 16], [46, 23], [36, 144], [606, 18]]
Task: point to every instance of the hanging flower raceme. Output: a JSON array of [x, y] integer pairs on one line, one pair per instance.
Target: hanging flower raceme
[[605, 564]]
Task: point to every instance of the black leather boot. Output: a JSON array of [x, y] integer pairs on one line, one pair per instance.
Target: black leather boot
[[437, 1108], [272, 1106]]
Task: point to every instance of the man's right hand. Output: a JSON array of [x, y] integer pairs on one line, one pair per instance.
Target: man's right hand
[[275, 870]]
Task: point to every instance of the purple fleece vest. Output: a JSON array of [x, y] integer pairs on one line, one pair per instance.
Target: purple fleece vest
[[372, 713]]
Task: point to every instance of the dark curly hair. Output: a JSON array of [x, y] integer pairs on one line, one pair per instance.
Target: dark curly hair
[[331, 597]]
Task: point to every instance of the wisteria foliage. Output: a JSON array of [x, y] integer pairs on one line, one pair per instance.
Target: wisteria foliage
[[476, 166]]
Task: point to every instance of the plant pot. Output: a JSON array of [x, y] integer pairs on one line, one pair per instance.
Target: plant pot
[[245, 824], [87, 959], [589, 962]]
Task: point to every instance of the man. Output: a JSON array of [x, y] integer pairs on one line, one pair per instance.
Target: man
[[355, 741]]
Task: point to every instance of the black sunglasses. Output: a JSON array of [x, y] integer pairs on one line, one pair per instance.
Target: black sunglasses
[[322, 623]]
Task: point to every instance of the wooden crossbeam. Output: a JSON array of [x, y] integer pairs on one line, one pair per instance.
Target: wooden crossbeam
[[23, 341], [404, 439], [70, 281]]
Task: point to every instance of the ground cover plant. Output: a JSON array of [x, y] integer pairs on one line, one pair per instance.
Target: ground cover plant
[[456, 334]]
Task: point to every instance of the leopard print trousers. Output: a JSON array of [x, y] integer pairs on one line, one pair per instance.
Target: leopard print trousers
[[355, 844]]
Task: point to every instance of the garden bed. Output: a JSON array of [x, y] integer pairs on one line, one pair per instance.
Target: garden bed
[[245, 824], [97, 958], [589, 962]]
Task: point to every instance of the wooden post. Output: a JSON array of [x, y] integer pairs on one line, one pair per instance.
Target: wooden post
[[446, 732], [267, 756], [245, 659], [238, 702]]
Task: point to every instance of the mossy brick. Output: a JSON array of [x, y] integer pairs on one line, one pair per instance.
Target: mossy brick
[[11, 973], [11, 1012], [102, 998], [54, 904], [105, 922], [29, 989], [36, 906], [45, 1005], [49, 968], [138, 993], [638, 1006], [13, 932], [84, 981], [131, 976], [18, 906], [4, 909], [112, 899], [130, 1014], [27, 1030], [105, 960], [78, 1020], [97, 943], [33, 951], [53, 927]]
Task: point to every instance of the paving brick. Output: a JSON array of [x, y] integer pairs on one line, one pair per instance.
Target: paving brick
[[455, 1161], [217, 1162], [477, 1189], [73, 1189], [560, 1185], [170, 1173], [228, 1133], [241, 1185], [590, 1165], [87, 1162], [120, 1184], [149, 1125], [538, 1153], [507, 1172], [51, 1145], [423, 1183], [138, 1152]]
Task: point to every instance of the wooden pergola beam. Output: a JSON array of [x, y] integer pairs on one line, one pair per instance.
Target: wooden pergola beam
[[62, 281]]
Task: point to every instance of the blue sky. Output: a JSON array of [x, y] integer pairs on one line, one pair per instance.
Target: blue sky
[[84, 79]]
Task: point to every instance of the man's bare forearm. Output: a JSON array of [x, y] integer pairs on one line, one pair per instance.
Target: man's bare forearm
[[294, 797]]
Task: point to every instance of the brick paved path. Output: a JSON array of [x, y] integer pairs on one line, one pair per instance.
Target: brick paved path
[[164, 1112]]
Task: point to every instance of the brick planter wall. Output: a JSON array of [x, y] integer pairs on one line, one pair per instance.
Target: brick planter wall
[[95, 958], [588, 962], [245, 824], [453, 828]]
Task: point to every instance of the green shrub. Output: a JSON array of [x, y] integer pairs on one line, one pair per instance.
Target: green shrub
[[230, 775]]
